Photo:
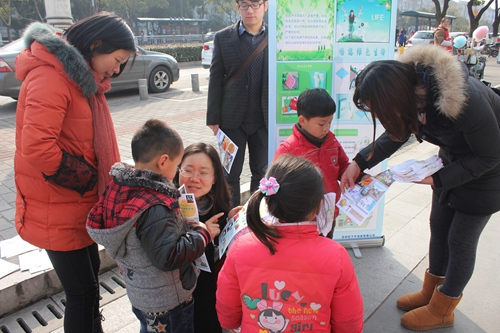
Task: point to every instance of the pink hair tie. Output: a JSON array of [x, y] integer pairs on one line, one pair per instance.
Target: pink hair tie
[[269, 186]]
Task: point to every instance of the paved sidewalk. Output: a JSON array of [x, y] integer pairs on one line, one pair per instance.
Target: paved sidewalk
[[384, 273]]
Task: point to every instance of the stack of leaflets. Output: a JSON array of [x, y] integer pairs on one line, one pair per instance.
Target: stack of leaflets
[[415, 171]]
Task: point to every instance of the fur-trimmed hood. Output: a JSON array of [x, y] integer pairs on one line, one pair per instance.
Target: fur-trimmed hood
[[125, 174], [449, 77], [74, 64]]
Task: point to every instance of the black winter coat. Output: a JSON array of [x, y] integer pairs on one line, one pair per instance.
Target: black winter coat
[[227, 109], [463, 119]]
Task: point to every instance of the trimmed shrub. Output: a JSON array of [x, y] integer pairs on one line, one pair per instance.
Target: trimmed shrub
[[181, 52]]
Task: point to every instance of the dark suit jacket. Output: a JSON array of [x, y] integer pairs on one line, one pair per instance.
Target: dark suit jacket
[[228, 109]]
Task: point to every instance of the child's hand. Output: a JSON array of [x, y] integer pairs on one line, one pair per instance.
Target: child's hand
[[234, 211], [213, 226]]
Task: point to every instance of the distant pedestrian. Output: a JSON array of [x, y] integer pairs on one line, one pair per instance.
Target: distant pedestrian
[[276, 258], [65, 147], [401, 39], [442, 34]]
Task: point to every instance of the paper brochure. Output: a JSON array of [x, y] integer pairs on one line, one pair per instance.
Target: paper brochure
[[227, 150]]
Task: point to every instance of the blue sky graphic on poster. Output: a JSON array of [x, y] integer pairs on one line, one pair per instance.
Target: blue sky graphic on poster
[[366, 21]]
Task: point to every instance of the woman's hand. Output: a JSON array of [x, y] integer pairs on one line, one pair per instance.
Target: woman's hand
[[213, 226], [426, 181], [349, 177], [234, 211]]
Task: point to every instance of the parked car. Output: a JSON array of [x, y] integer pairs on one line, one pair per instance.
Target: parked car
[[206, 54], [159, 69], [455, 34], [209, 36], [423, 37]]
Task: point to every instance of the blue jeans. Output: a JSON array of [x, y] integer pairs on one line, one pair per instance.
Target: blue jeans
[[178, 320]]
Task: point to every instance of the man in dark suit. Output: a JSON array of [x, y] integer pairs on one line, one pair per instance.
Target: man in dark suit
[[240, 108]]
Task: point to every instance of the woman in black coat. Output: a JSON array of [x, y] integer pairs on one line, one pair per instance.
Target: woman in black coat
[[428, 93], [200, 171]]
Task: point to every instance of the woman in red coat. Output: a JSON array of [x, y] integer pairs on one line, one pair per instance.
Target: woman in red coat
[[65, 147]]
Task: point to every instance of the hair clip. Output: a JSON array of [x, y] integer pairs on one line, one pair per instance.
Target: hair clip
[[269, 186]]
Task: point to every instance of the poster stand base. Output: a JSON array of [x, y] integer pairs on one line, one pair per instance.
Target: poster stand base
[[355, 244]]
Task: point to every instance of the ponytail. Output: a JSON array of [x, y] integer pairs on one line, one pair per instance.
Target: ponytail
[[265, 233]]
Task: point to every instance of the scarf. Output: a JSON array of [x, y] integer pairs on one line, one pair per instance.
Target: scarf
[[205, 204], [105, 144], [312, 139]]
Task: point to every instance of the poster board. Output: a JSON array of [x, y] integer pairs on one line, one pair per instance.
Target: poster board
[[325, 44]]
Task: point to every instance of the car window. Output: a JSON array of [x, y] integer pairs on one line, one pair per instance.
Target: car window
[[17, 45], [424, 35]]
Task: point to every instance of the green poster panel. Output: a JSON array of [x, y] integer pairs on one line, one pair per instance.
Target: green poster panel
[[294, 78]]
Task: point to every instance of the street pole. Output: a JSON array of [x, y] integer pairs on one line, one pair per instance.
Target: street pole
[[58, 13]]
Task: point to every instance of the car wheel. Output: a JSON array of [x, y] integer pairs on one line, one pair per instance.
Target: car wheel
[[159, 79], [206, 66]]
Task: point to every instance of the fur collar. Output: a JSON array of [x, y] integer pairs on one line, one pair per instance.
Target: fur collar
[[125, 174], [449, 76], [72, 60]]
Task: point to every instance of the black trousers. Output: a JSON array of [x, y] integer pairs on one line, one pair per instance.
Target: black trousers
[[453, 245], [256, 136], [78, 272]]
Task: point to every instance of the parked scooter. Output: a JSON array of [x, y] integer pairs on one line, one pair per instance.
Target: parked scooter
[[491, 50], [474, 60]]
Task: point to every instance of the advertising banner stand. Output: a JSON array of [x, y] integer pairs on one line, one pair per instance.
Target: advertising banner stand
[[325, 44]]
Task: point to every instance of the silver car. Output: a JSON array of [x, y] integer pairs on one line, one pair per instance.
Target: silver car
[[159, 69]]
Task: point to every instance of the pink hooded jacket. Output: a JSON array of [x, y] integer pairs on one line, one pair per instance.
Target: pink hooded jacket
[[309, 284]]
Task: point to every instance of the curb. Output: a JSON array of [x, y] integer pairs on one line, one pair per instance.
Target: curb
[[189, 63], [21, 289]]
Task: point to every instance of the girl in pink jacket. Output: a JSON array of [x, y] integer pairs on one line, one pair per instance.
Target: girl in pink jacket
[[284, 277]]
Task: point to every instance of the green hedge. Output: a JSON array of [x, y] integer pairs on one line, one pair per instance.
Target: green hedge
[[181, 52]]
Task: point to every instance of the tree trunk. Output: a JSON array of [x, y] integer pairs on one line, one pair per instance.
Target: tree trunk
[[474, 20]]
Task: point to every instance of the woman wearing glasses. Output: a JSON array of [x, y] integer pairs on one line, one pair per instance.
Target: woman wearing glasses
[[201, 173]]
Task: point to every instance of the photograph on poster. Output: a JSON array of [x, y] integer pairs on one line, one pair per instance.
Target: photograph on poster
[[318, 79], [304, 32], [346, 110], [289, 104], [363, 21], [345, 75], [290, 80]]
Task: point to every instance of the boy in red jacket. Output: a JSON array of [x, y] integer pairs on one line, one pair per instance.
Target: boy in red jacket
[[312, 139]]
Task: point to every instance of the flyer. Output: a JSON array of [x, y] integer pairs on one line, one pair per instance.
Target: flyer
[[227, 150], [235, 228], [360, 201], [188, 207]]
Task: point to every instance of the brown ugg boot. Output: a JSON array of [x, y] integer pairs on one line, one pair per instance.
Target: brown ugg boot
[[437, 314], [420, 298]]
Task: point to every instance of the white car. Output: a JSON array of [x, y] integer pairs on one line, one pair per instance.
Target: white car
[[423, 37], [206, 54]]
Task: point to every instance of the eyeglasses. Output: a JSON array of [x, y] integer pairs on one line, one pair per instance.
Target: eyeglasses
[[190, 174], [255, 6]]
